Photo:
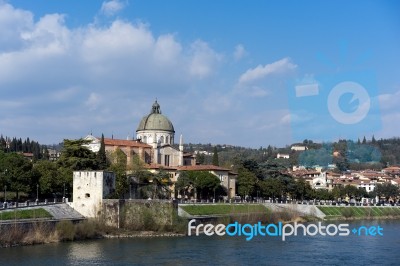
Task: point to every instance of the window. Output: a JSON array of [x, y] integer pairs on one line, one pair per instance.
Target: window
[[162, 139], [87, 195], [166, 160], [167, 139]]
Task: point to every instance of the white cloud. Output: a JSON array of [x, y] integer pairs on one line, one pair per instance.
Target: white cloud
[[93, 101], [256, 91], [285, 120], [217, 103], [12, 22], [204, 59], [281, 66], [167, 50], [48, 33], [110, 8], [115, 69], [239, 52], [389, 100]]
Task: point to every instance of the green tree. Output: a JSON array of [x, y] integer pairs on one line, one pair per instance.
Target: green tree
[[246, 182], [160, 183], [387, 191], [302, 190], [200, 158], [118, 165], [51, 182], [206, 183], [76, 156], [364, 141], [17, 173], [186, 183], [102, 162], [215, 160], [272, 188]]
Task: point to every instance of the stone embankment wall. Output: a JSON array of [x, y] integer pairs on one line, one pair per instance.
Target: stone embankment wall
[[138, 214], [309, 210]]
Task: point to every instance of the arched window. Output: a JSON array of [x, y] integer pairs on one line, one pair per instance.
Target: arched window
[[167, 139], [144, 139], [162, 139]]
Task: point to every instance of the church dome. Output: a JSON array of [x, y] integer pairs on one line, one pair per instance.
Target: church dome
[[155, 121]]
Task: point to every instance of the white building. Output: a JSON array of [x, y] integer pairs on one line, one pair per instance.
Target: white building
[[299, 148], [89, 190], [282, 156], [367, 185]]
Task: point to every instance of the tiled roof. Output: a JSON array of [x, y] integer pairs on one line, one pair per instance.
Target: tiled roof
[[159, 166], [125, 143], [209, 167]]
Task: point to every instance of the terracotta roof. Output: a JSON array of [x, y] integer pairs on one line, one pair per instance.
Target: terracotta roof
[[208, 167], [125, 143], [159, 166]]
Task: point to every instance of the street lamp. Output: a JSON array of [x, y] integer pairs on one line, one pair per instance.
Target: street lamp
[[5, 186], [214, 195], [37, 193], [64, 193]]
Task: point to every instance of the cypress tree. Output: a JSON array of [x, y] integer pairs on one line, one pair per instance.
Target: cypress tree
[[101, 155], [215, 160]]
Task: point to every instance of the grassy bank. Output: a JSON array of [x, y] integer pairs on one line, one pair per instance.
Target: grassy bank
[[224, 209], [24, 214], [244, 213], [332, 212]]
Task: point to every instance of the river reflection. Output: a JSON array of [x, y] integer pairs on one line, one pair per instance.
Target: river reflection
[[202, 250]]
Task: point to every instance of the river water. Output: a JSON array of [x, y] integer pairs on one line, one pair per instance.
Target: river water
[[225, 250]]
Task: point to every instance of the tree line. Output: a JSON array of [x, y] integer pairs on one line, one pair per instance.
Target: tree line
[[349, 154], [270, 180], [24, 146]]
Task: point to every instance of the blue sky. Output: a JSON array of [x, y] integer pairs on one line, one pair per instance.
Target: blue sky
[[222, 71]]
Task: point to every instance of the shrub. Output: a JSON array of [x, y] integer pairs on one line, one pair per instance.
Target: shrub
[[347, 212], [66, 230], [148, 220], [85, 229]]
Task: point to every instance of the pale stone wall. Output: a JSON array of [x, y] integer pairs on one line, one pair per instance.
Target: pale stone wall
[[175, 156], [139, 214], [89, 190], [228, 181]]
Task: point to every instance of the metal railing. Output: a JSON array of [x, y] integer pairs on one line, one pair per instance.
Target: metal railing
[[27, 204]]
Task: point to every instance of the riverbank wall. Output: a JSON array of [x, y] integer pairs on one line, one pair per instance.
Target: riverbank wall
[[139, 214]]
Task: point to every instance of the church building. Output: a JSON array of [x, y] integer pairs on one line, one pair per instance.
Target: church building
[[155, 145]]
